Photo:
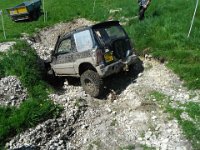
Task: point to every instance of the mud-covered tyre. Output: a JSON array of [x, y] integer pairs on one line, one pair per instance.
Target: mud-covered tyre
[[92, 83]]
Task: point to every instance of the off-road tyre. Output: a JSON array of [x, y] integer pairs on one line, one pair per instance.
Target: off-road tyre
[[92, 83]]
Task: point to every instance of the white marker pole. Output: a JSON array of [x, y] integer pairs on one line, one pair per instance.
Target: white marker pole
[[44, 11], [46, 16], [4, 32], [193, 18], [94, 5]]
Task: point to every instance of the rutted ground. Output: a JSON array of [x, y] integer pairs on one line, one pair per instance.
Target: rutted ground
[[130, 119], [127, 116]]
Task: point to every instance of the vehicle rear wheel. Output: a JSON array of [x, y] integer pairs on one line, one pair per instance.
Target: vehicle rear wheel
[[92, 83]]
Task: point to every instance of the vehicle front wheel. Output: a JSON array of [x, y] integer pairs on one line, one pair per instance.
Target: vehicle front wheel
[[92, 83]]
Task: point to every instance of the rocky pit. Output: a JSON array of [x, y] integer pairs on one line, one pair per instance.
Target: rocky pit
[[6, 46], [126, 116], [12, 92]]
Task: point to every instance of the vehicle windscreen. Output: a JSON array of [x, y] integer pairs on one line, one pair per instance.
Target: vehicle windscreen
[[109, 33]]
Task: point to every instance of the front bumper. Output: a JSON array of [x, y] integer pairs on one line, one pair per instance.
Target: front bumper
[[116, 67]]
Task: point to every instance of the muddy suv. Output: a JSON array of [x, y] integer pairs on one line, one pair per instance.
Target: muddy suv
[[92, 53]]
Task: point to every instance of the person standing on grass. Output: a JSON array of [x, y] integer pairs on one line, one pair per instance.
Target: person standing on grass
[[143, 5]]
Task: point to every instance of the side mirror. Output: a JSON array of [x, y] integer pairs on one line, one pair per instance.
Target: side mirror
[[53, 51]]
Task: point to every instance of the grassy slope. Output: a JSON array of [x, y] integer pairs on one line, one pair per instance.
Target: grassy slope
[[165, 33], [164, 30], [37, 108]]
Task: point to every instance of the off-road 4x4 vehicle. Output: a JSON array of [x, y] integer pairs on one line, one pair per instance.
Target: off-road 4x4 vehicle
[[92, 53]]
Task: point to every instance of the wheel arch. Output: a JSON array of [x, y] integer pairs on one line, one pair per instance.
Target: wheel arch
[[85, 66]]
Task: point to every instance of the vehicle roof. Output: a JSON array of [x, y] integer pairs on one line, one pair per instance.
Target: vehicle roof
[[98, 25], [106, 23]]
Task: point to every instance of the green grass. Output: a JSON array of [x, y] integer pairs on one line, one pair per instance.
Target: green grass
[[22, 62], [63, 10], [164, 32], [129, 147], [191, 129]]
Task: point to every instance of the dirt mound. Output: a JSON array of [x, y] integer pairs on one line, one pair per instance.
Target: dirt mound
[[44, 41]]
